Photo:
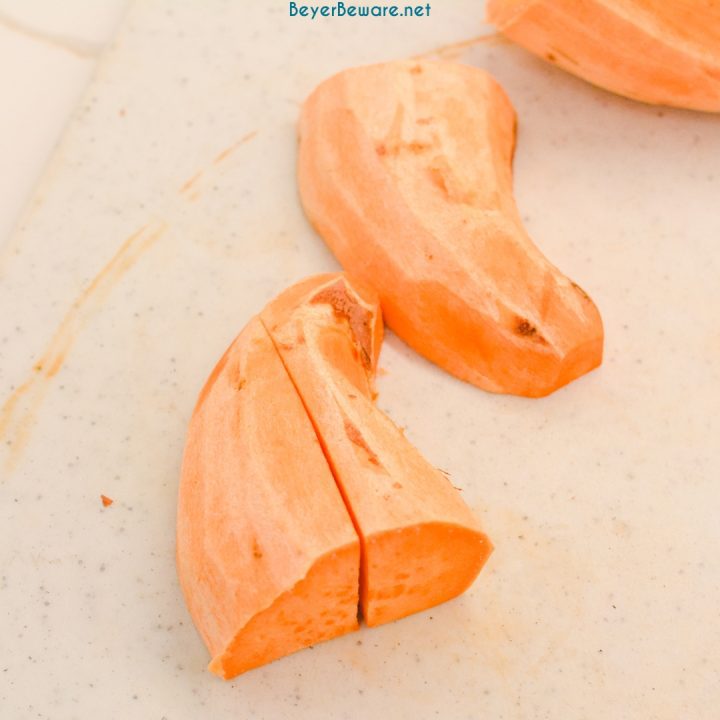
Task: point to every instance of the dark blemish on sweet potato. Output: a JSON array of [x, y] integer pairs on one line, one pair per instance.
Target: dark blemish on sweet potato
[[241, 383], [581, 291], [526, 329], [437, 177], [417, 147], [454, 192], [555, 52], [358, 317], [355, 437], [256, 551]]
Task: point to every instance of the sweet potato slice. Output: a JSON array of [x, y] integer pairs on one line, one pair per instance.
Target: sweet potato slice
[[664, 52], [405, 171], [267, 554], [421, 544]]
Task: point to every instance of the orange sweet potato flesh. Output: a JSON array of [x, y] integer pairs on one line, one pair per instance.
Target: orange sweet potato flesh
[[267, 555], [421, 544], [405, 170], [664, 52]]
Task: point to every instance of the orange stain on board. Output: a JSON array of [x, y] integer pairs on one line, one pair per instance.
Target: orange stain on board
[[16, 422], [17, 413], [454, 50], [187, 185], [230, 150], [106, 501]]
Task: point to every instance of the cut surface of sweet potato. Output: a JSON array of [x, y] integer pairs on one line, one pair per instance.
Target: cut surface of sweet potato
[[268, 558], [421, 544], [663, 52]]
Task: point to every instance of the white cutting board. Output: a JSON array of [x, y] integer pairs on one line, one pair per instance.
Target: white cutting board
[[170, 215]]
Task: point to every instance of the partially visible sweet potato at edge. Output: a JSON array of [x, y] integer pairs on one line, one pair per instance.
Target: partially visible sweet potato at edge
[[662, 52]]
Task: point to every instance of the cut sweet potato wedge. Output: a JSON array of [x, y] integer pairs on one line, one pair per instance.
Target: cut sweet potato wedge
[[299, 499], [421, 544], [267, 555], [405, 171], [663, 52]]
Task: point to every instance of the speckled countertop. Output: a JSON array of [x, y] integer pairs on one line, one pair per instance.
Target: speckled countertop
[[47, 54], [169, 216]]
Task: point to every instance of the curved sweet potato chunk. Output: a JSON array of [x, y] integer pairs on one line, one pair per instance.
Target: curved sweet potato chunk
[[421, 544], [405, 171], [267, 555], [299, 499], [664, 52]]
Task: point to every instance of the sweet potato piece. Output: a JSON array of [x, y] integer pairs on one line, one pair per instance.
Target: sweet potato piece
[[421, 544], [664, 52], [405, 171], [267, 554]]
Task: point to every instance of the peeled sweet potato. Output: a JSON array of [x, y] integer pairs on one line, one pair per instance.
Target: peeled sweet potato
[[663, 52], [299, 500], [405, 170], [267, 555], [421, 545]]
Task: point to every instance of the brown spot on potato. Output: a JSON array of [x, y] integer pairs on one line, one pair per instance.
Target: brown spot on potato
[[581, 291], [355, 437], [437, 177], [525, 328], [417, 147], [256, 551], [555, 53], [358, 317]]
